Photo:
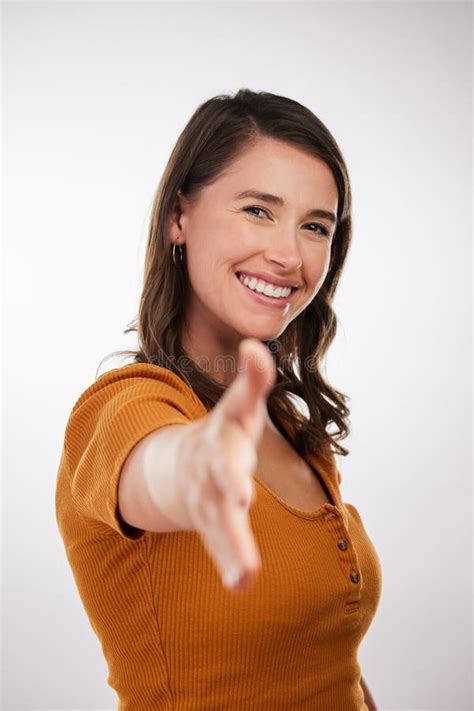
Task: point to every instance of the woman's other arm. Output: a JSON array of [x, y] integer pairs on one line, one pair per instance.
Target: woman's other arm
[[368, 698]]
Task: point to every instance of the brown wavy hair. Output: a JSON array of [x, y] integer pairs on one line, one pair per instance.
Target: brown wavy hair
[[217, 132]]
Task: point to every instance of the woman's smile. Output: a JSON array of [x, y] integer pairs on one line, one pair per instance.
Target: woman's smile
[[275, 302]]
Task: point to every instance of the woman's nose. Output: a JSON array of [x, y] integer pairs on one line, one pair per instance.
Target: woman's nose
[[283, 250]]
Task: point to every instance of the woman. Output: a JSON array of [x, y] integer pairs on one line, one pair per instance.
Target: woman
[[191, 474]]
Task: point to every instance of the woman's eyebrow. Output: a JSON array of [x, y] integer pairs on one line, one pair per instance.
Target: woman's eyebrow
[[275, 200]]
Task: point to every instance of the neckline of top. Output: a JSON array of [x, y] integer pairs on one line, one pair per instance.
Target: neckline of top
[[301, 513]]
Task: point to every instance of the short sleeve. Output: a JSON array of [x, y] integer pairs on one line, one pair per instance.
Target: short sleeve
[[109, 419]]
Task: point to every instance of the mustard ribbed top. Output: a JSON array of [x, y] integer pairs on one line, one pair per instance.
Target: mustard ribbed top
[[172, 636]]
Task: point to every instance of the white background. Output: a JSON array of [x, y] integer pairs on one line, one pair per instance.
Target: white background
[[95, 95]]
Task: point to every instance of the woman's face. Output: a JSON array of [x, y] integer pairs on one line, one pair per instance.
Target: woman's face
[[227, 235]]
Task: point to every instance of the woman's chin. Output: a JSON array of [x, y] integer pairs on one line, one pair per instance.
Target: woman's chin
[[261, 334]]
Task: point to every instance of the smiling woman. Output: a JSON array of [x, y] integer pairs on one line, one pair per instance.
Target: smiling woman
[[155, 497]]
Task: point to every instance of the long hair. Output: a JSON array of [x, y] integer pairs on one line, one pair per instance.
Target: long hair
[[217, 132]]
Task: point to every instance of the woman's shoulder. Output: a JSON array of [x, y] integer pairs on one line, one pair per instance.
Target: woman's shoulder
[[140, 379]]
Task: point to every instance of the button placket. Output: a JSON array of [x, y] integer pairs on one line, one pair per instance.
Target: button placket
[[348, 560]]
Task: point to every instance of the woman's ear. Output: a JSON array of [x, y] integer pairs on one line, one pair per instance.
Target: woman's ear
[[177, 220]]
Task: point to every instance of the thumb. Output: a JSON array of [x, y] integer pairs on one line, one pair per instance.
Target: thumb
[[245, 399]]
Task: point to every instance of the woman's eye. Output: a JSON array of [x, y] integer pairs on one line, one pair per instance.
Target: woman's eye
[[246, 209], [324, 230]]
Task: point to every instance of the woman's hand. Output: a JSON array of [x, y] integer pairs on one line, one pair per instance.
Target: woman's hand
[[217, 465]]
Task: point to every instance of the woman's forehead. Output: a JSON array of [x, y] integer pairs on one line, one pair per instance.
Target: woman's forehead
[[286, 174]]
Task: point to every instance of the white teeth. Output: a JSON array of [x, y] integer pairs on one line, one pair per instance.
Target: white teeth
[[271, 291], [264, 287]]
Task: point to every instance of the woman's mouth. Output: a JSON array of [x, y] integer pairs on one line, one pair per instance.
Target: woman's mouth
[[255, 287]]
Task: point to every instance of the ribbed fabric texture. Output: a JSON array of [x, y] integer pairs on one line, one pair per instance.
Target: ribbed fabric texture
[[172, 636]]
